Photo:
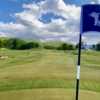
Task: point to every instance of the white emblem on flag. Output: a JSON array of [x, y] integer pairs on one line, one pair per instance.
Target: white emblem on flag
[[96, 16]]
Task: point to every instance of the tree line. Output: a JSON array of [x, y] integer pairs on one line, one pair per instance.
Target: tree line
[[19, 44], [96, 47]]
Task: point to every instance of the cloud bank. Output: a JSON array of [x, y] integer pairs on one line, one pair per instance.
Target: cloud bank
[[29, 23]]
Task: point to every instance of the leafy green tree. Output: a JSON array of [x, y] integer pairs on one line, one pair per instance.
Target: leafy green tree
[[49, 47], [3, 42], [66, 46], [98, 46], [30, 45]]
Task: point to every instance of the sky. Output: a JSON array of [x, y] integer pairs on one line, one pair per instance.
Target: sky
[[45, 20]]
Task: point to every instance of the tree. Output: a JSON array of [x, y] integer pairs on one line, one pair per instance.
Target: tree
[[30, 45], [49, 47], [98, 46], [14, 43], [66, 46], [3, 42]]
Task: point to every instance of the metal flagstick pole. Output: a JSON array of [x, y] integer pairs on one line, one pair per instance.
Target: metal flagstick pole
[[78, 68], [87, 11], [79, 58], [84, 27]]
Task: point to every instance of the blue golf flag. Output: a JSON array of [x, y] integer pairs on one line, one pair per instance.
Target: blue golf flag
[[90, 18]]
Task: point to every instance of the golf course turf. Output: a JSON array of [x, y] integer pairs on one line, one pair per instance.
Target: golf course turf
[[40, 74]]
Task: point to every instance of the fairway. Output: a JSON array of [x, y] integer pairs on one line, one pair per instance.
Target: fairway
[[48, 94], [40, 74]]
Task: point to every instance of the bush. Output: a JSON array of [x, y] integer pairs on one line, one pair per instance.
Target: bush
[[66, 46], [98, 47], [15, 43], [3, 42], [30, 45], [49, 47]]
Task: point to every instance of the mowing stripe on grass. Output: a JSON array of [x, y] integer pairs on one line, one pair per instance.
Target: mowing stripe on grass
[[8, 85]]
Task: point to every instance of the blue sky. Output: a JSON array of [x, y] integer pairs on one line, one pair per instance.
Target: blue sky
[[32, 17], [8, 7]]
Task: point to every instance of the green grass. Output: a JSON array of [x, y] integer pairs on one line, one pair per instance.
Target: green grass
[[48, 94], [52, 70], [19, 57], [36, 83]]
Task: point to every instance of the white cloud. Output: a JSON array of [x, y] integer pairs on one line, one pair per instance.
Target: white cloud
[[33, 12], [28, 24], [60, 8], [11, 29], [11, 26]]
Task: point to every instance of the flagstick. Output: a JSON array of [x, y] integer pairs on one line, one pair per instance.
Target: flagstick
[[78, 68]]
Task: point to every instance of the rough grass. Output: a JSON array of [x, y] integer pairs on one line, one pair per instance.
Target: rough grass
[[54, 71]]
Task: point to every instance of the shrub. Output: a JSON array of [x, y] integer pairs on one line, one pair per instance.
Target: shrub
[[98, 46], [14, 43], [49, 47], [66, 46], [30, 45]]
